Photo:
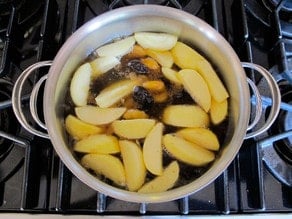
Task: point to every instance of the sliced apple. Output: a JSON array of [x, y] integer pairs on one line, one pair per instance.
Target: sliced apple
[[200, 136], [196, 86], [103, 64], [117, 48], [185, 116], [155, 41], [152, 150], [80, 83], [187, 58], [114, 93], [134, 165], [171, 75], [164, 182], [218, 111], [79, 129], [107, 165], [99, 143], [97, 115], [164, 58], [216, 87], [133, 128], [186, 151]]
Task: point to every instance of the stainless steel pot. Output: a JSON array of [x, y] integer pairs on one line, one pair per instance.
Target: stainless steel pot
[[125, 21]]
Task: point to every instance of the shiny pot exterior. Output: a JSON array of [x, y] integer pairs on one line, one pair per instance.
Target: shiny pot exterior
[[123, 22]]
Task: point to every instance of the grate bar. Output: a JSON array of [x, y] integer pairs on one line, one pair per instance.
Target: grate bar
[[101, 202], [184, 205], [143, 208]]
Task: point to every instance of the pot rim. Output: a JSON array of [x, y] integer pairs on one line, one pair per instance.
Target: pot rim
[[68, 158]]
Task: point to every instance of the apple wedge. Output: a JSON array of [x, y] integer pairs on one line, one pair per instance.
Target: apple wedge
[[133, 128], [103, 64], [218, 111], [155, 41], [171, 75], [216, 87], [187, 58], [152, 150], [79, 129], [164, 182], [134, 165], [107, 165], [99, 116], [164, 58], [200, 136], [196, 86], [117, 48], [99, 143], [185, 116], [80, 83], [186, 151], [114, 93]]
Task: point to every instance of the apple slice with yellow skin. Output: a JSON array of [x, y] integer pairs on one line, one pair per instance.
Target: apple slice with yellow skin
[[164, 58], [171, 75], [103, 64], [200, 136], [155, 41], [218, 111], [80, 83], [216, 87], [99, 116], [196, 87], [134, 165], [185, 116], [152, 150], [186, 151], [79, 129], [133, 128], [107, 165], [163, 182], [114, 93], [117, 48], [187, 58], [99, 143]]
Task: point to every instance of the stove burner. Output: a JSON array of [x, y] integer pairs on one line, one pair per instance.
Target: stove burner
[[8, 123], [6, 5], [277, 149], [286, 4], [135, 2], [120, 3], [273, 15], [283, 124]]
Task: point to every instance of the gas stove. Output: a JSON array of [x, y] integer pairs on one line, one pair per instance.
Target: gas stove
[[34, 180]]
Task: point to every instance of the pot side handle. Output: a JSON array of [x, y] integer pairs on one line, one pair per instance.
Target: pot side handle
[[16, 99], [18, 87], [275, 96]]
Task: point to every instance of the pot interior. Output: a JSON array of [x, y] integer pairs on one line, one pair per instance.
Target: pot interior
[[123, 22]]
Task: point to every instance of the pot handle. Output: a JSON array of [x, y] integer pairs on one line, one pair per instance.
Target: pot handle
[[18, 87], [16, 99], [275, 96]]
